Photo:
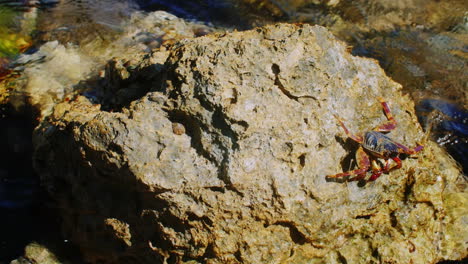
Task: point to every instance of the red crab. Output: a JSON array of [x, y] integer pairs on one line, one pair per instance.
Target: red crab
[[375, 145]]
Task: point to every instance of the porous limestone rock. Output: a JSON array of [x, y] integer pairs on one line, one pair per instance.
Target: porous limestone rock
[[225, 161]]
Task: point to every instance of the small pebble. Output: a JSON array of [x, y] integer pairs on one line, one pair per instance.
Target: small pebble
[[178, 128]]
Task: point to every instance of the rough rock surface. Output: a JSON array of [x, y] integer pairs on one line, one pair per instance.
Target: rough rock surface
[[246, 181], [37, 253]]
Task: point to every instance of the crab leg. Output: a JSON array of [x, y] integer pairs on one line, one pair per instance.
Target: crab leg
[[391, 123], [376, 171], [375, 175], [358, 139], [363, 163], [406, 150], [387, 164]]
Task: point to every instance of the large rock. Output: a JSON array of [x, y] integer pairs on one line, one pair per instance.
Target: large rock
[[226, 161]]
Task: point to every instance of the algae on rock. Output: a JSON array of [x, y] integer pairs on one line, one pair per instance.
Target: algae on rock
[[246, 181]]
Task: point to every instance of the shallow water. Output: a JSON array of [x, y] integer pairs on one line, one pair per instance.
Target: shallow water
[[425, 54], [449, 124]]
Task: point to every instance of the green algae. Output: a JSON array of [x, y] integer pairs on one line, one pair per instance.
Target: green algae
[[12, 41]]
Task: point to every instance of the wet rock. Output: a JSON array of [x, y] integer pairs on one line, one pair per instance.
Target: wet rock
[[82, 22], [427, 64], [348, 18], [49, 75], [246, 181], [37, 253]]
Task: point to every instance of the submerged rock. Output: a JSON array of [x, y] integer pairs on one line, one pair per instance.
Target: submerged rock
[[224, 161], [427, 64]]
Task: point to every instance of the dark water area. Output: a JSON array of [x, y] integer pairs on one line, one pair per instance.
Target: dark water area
[[27, 214], [19, 186], [210, 11], [449, 124]]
